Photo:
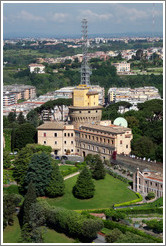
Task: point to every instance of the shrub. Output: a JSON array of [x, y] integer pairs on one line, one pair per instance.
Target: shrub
[[115, 175], [155, 225], [151, 195], [113, 235]]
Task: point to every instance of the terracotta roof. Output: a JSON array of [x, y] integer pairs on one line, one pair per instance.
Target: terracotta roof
[[51, 126], [36, 65], [92, 93], [155, 176], [114, 129]]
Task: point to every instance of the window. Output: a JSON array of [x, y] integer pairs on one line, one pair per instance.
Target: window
[[96, 111], [64, 134], [104, 140], [55, 134], [103, 150], [71, 134], [156, 184], [45, 142], [126, 146], [64, 142], [68, 134], [88, 146], [80, 111], [44, 134], [64, 150], [85, 136], [97, 149], [89, 136], [92, 147], [78, 150], [100, 139], [55, 142], [150, 183], [71, 142], [120, 141], [71, 150], [93, 137], [89, 112], [96, 138], [112, 142], [108, 141]]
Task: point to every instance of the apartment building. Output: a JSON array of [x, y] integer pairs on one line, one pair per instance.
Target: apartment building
[[122, 67], [102, 139], [60, 136], [12, 93], [134, 96], [148, 181]]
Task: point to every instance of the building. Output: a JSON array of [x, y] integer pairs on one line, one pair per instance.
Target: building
[[67, 92], [13, 93], [122, 67], [102, 139], [85, 106], [148, 181], [60, 136], [133, 96], [36, 68]]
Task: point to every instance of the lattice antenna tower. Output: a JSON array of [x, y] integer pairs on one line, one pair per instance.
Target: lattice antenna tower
[[85, 69]]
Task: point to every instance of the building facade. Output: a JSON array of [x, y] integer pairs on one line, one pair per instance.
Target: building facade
[[36, 68], [122, 67], [60, 136], [148, 181], [102, 139]]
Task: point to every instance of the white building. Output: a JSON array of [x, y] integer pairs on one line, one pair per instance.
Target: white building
[[36, 68], [122, 67]]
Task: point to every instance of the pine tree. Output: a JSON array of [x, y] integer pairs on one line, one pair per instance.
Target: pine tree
[[39, 172], [56, 185], [98, 172], [30, 198], [84, 187]]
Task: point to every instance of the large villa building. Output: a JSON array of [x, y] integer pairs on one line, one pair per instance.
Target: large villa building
[[85, 133]]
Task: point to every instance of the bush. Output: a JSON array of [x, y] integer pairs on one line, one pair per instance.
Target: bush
[[123, 228], [12, 189], [72, 223], [150, 195], [155, 225], [113, 235], [117, 176]]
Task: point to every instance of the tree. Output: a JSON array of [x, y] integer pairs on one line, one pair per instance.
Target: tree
[[84, 187], [99, 171], [56, 185], [30, 198], [6, 160], [32, 118], [143, 147], [20, 118], [39, 172], [139, 54], [12, 117], [24, 134], [113, 235], [22, 161]]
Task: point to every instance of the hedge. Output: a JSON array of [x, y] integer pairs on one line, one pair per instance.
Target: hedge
[[140, 198], [139, 210], [71, 222], [123, 228]]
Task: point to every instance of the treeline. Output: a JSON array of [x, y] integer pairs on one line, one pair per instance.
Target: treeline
[[146, 125]]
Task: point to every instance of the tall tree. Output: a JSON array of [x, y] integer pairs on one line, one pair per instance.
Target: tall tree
[[39, 172], [30, 198], [12, 117], [56, 185], [84, 187], [20, 118], [99, 171]]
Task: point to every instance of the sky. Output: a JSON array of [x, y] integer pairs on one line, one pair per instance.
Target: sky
[[57, 19]]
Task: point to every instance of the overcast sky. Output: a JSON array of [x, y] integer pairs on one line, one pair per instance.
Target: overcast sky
[[43, 19]]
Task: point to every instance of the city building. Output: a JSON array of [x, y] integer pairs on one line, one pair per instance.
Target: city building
[[122, 67], [60, 136], [36, 68], [133, 96], [148, 181], [103, 139], [85, 106], [13, 93]]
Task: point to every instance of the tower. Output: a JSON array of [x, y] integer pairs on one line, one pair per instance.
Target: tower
[[85, 100]]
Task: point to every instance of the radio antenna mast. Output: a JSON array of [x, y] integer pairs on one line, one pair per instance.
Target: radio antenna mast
[[85, 69]]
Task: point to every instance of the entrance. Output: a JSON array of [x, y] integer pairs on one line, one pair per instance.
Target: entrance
[[56, 152], [83, 153]]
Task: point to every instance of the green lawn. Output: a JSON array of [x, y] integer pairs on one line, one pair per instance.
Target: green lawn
[[51, 236], [12, 234], [108, 192]]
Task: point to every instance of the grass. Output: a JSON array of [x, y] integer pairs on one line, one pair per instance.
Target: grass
[[51, 236], [12, 234], [108, 192]]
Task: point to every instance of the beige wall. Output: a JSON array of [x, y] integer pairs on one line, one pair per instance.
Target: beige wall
[[61, 142]]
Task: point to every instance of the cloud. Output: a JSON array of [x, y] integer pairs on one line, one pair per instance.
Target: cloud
[[24, 15], [4, 18], [59, 17], [92, 16]]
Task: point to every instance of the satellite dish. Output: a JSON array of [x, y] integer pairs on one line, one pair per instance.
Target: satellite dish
[[120, 122]]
